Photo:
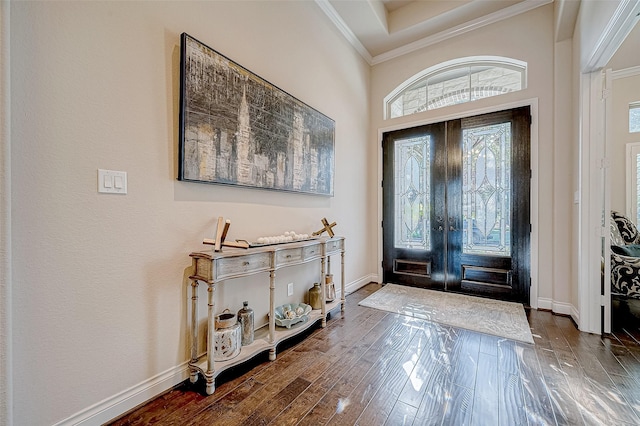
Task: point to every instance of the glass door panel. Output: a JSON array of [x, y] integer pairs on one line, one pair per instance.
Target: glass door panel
[[412, 193], [413, 224], [486, 189]]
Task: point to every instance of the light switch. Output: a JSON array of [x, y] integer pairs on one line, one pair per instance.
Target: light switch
[[112, 181]]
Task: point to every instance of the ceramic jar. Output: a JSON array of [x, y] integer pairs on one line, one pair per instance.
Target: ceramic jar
[[227, 338], [245, 318], [225, 319], [315, 296]]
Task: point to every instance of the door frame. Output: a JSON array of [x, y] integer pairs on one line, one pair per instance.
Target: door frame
[[533, 104], [594, 307]]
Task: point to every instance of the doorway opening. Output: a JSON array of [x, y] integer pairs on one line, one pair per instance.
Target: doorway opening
[[456, 205]]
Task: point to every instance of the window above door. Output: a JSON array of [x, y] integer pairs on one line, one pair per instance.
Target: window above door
[[454, 82]]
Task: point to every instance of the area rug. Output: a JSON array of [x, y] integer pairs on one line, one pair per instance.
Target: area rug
[[502, 319]]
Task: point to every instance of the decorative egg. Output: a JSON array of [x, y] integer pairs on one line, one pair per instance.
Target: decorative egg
[[299, 311], [290, 314]]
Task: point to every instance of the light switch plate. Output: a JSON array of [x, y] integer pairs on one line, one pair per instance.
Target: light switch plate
[[290, 289], [112, 181]]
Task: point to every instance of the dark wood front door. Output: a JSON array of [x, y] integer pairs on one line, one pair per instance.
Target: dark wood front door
[[456, 212]]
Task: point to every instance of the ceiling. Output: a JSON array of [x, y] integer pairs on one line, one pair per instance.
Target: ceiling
[[383, 29]]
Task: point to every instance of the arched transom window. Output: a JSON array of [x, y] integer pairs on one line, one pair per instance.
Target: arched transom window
[[454, 82]]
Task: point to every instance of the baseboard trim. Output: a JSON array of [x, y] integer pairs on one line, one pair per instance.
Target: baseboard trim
[[546, 304], [562, 308], [361, 282], [116, 405], [559, 308], [575, 315]]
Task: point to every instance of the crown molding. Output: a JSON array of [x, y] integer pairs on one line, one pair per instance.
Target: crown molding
[[620, 25], [625, 72], [331, 13], [491, 18]]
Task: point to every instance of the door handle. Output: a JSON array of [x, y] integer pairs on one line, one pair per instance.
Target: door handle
[[452, 223]]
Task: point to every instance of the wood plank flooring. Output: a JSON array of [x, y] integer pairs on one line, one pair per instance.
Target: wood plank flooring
[[370, 367]]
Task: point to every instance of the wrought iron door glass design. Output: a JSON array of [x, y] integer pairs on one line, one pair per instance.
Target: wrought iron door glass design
[[486, 189], [412, 193]]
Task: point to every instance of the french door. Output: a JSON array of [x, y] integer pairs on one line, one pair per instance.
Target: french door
[[456, 213]]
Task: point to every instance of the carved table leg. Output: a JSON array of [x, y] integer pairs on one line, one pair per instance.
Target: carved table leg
[[211, 384], [193, 372], [323, 293], [342, 292], [272, 316], [210, 339]]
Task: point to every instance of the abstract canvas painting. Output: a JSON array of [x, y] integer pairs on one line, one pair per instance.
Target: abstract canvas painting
[[238, 129]]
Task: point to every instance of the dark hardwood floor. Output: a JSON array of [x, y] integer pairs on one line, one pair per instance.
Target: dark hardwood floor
[[369, 367]]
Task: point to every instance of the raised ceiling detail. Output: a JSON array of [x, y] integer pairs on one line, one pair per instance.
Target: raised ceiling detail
[[383, 29]]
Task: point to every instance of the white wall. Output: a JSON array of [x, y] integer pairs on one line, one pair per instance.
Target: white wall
[[6, 387], [625, 91], [627, 54], [564, 262], [99, 281], [527, 37]]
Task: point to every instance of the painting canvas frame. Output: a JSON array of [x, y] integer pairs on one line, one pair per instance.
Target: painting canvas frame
[[238, 129]]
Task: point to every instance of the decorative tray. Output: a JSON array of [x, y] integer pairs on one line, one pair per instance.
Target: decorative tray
[[276, 242], [292, 313]]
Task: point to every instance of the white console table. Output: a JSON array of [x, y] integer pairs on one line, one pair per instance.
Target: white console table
[[213, 267]]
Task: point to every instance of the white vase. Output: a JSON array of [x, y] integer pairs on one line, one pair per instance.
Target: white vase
[[227, 343]]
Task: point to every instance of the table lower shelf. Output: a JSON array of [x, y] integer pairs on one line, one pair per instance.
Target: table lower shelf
[[261, 343]]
